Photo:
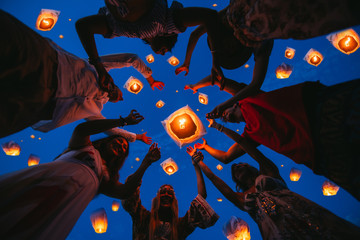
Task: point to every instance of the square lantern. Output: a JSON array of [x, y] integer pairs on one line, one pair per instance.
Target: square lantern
[[99, 220], [11, 148], [47, 19], [150, 58], [295, 174], [169, 166], [313, 57], [33, 160], [184, 126], [115, 206], [236, 229], [133, 85], [329, 188], [290, 53], [219, 167], [203, 98], [173, 61], [283, 71], [160, 104], [346, 41]]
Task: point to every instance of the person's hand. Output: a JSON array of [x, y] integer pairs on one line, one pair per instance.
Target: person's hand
[[217, 74], [154, 154], [157, 84], [182, 68], [216, 112], [201, 146], [212, 123], [133, 118], [197, 157], [190, 86], [190, 150], [144, 138]]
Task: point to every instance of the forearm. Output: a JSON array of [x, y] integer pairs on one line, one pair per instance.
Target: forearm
[[194, 37], [200, 182], [150, 80], [217, 154], [98, 126], [134, 179]]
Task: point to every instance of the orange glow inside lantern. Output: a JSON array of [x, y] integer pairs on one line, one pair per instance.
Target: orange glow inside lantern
[[133, 85], [203, 98], [346, 41], [137, 159], [169, 166], [313, 57], [11, 148], [219, 167], [173, 61], [47, 19], [33, 160], [289, 53], [246, 65], [283, 71], [160, 104], [214, 5], [219, 199], [295, 174], [237, 229], [329, 188], [99, 221], [150, 58], [115, 206]]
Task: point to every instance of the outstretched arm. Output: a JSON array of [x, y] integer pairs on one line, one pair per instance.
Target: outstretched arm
[[199, 177]]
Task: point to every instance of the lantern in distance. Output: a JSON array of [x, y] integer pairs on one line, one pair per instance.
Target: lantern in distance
[[33, 160], [283, 71], [115, 206], [160, 104], [313, 57], [219, 199], [203, 98], [133, 85], [11, 148], [236, 229], [99, 220], [47, 19], [173, 61], [219, 167], [295, 174], [169, 166], [290, 53], [150, 58], [346, 41], [246, 66], [137, 159], [329, 188]]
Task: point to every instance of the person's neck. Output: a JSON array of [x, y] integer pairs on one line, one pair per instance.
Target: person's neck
[[165, 214]]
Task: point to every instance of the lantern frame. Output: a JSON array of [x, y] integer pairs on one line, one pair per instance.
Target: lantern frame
[[47, 13], [203, 96], [160, 104], [171, 59], [334, 38], [169, 162], [131, 81], [292, 50], [310, 54]]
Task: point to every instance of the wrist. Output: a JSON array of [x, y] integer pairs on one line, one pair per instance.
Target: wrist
[[150, 80], [122, 122]]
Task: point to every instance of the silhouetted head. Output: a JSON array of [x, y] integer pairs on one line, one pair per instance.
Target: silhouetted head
[[115, 95], [232, 114], [162, 44], [244, 175]]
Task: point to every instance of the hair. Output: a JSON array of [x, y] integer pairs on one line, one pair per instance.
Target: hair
[[154, 217], [170, 40], [243, 185]]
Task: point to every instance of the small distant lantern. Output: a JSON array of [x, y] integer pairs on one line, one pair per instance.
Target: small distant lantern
[[169, 166], [33, 160], [47, 19], [99, 221], [214, 5], [115, 206], [203, 98], [283, 71], [137, 159], [150, 58], [32, 136], [281, 165], [173, 61], [61, 36], [184, 126], [295, 174], [160, 104], [236, 229], [246, 66], [133, 85], [346, 41], [290, 53], [219, 167], [329, 188], [219, 199], [313, 57], [11, 148]]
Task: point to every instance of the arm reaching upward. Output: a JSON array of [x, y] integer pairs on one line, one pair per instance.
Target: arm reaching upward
[[199, 177]]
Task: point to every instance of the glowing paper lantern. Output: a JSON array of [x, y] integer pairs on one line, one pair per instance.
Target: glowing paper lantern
[[283, 71], [137, 159], [11, 148], [295, 174], [219, 199], [150, 58], [313, 57], [133, 85], [115, 206], [173, 61], [219, 167], [99, 220], [203, 98], [246, 66], [346, 41], [160, 104], [214, 5], [32, 136], [47, 19], [329, 188], [289, 53], [169, 166], [33, 160], [61, 36], [236, 229], [184, 126]]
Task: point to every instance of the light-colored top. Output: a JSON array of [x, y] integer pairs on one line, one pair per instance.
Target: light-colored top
[[78, 95]]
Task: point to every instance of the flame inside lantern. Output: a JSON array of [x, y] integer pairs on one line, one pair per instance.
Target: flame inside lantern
[[203, 98], [169, 166], [115, 206], [329, 188], [160, 104], [219, 167], [313, 57], [183, 126], [283, 71], [346, 41], [47, 19], [236, 229], [173, 61], [11, 148], [33, 160], [289, 53], [46, 23], [99, 221], [150, 58], [295, 174], [348, 44], [133, 85]]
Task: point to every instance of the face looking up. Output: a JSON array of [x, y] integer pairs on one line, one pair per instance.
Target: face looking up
[[167, 196], [232, 114]]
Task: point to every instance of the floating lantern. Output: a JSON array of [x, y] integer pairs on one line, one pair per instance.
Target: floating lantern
[[150, 58], [236, 229], [281, 165], [295, 174], [173, 61], [160, 104], [115, 206], [313, 57], [329, 188], [283, 71], [61, 36], [203, 98], [346, 41], [47, 19], [219, 167], [32, 136], [33, 160], [99, 220], [137, 159], [11, 148], [289, 53], [246, 65], [219, 199], [184, 126], [169, 166], [214, 5], [133, 85]]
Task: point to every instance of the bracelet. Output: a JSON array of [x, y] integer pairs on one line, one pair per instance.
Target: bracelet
[[220, 127], [124, 123], [94, 61]]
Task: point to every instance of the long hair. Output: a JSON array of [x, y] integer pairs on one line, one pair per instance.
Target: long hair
[[243, 186], [155, 221]]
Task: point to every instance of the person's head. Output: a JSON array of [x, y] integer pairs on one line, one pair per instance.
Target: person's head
[[162, 44], [244, 175], [115, 95], [232, 114]]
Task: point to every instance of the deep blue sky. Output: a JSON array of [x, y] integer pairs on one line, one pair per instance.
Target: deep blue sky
[[336, 67]]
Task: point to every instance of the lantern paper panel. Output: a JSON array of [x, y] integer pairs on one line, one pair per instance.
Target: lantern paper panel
[[283, 71], [236, 229], [150, 58], [295, 174], [203, 98], [346, 41], [329, 188], [47, 19], [313, 57], [133, 85], [99, 220], [219, 167], [11, 148], [173, 61], [115, 206], [160, 104], [33, 160], [184, 126], [169, 166], [290, 53]]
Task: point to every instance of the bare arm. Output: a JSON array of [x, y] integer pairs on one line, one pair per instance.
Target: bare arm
[[199, 177]]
